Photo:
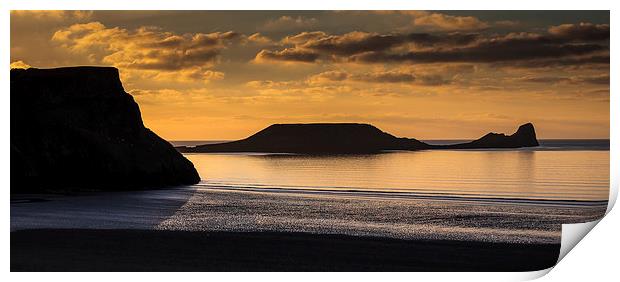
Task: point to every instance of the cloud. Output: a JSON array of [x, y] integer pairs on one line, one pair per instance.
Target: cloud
[[581, 32], [353, 43], [432, 79], [258, 38], [486, 53], [288, 23], [19, 65], [573, 62], [439, 21], [293, 90], [190, 74], [597, 79], [304, 37], [390, 76], [559, 43], [356, 42], [328, 76], [385, 77], [359, 42], [287, 55], [50, 15], [506, 23], [543, 79], [510, 47], [147, 48], [273, 84], [447, 22], [442, 40]]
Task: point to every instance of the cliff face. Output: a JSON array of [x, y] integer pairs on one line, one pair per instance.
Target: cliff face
[[351, 138], [342, 138], [76, 128]]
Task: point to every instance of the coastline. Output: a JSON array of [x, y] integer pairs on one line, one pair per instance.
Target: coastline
[[151, 250]]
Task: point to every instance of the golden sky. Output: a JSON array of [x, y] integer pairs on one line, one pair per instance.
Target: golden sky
[[428, 75]]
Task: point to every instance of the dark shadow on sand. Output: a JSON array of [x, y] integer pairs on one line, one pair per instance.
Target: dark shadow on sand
[[143, 209], [143, 250]]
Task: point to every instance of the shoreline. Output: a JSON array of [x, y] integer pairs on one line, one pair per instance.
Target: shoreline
[[214, 210], [160, 250]]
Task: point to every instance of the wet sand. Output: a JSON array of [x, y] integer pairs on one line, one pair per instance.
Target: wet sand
[[213, 209], [151, 250], [202, 228]]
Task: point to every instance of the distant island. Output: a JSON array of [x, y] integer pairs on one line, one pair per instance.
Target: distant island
[[76, 128], [352, 138]]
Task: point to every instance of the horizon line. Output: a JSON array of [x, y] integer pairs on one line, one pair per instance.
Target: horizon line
[[434, 139]]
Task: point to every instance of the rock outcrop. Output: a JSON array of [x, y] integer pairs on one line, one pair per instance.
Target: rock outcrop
[[317, 138], [524, 137], [77, 129], [351, 138]]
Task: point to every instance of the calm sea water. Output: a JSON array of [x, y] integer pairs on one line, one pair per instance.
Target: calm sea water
[[559, 170]]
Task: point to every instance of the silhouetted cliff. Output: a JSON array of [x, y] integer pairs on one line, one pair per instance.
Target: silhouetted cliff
[[76, 128], [351, 138], [524, 137]]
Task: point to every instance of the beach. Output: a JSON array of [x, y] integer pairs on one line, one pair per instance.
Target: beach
[[198, 228]]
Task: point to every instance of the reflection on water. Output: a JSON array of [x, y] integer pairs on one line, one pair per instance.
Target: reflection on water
[[523, 174]]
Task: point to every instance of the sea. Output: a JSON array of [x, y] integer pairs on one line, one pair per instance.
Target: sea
[[558, 170], [501, 195]]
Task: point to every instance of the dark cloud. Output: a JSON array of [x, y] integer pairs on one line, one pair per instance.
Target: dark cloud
[[353, 43], [563, 41], [598, 79], [392, 76], [601, 80], [450, 39], [586, 61], [433, 79], [319, 42], [385, 77], [486, 54], [544, 79], [489, 51], [358, 42]]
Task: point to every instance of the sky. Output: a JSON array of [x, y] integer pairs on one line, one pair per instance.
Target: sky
[[223, 75]]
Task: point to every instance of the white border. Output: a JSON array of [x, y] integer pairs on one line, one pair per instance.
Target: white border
[[572, 268]]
